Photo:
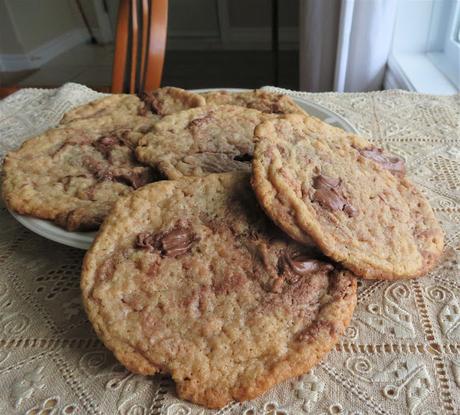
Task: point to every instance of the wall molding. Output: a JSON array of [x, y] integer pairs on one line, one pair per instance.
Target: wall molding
[[43, 53]]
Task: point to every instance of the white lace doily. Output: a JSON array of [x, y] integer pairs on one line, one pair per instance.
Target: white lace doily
[[401, 354]]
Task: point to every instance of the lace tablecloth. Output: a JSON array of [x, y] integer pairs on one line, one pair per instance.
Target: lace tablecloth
[[400, 355]]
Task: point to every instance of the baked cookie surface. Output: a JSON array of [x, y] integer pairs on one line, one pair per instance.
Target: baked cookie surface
[[168, 100], [73, 174], [352, 199], [157, 103], [199, 141], [115, 106], [190, 278], [258, 99]]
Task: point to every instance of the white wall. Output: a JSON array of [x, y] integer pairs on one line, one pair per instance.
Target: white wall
[[9, 39], [34, 31]]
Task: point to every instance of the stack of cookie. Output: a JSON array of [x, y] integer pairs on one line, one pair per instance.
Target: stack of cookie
[[238, 269]]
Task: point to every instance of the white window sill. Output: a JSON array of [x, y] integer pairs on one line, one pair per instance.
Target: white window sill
[[416, 72]]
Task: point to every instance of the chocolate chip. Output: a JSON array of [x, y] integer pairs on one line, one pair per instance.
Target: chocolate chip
[[177, 242], [330, 196], [134, 179], [391, 163], [303, 265], [146, 240], [199, 122], [292, 266], [151, 102], [173, 243], [324, 181]]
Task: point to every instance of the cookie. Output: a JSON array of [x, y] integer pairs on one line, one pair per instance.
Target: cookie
[[168, 100], [162, 101], [116, 105], [73, 174], [189, 278], [351, 198], [199, 141], [258, 99]]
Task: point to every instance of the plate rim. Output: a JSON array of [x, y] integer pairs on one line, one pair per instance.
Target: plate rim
[[47, 229], [83, 240]]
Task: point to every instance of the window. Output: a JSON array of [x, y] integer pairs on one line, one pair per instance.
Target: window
[[444, 39], [425, 54]]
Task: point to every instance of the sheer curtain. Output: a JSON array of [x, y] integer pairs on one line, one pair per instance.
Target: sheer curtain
[[344, 44]]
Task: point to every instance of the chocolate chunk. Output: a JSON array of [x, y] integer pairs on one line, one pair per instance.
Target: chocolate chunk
[[134, 179], [151, 102], [177, 242], [303, 265], [324, 181], [330, 196], [199, 122], [147, 241], [392, 163], [174, 243], [292, 266]]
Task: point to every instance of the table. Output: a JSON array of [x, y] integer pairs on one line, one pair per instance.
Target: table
[[400, 355]]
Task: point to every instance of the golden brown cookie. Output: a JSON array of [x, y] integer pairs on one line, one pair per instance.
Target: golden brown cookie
[[73, 174], [190, 278], [114, 106], [160, 102], [199, 141], [168, 100], [352, 199], [258, 99]]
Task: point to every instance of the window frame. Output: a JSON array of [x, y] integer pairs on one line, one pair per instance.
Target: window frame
[[428, 61]]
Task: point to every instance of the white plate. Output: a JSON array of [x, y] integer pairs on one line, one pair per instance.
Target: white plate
[[83, 240], [51, 231]]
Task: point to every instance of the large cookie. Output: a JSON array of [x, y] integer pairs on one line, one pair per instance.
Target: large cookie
[[351, 198], [114, 106], [189, 277], [160, 102], [199, 141], [168, 100], [73, 174], [258, 99]]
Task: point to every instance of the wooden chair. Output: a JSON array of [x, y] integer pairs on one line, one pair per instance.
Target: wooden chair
[[140, 45]]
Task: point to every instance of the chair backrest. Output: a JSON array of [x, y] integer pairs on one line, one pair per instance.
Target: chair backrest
[[140, 45]]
